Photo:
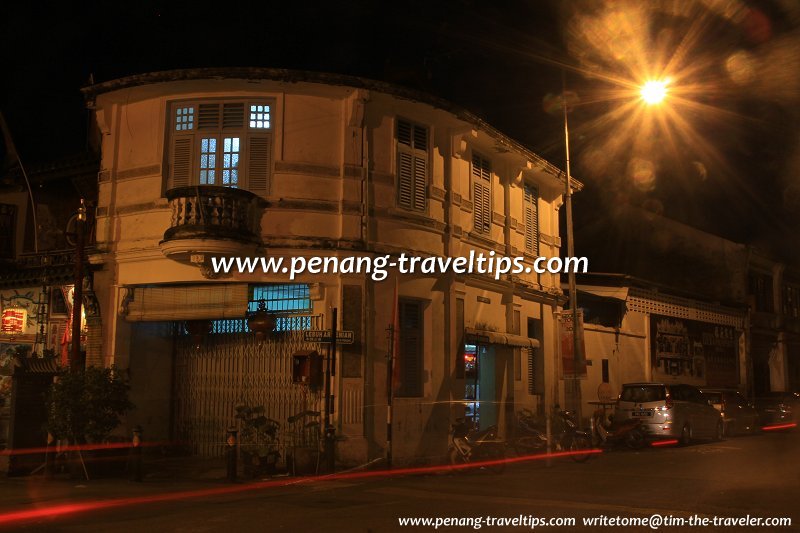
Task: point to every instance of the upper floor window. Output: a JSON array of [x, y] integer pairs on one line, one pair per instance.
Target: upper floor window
[[8, 218], [411, 343], [791, 301], [290, 302], [482, 193], [412, 165], [530, 214], [761, 292], [226, 143]]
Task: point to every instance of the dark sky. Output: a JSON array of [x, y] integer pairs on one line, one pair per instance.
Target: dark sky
[[726, 158]]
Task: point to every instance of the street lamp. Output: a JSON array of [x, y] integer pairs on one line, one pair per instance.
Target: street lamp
[[652, 92]]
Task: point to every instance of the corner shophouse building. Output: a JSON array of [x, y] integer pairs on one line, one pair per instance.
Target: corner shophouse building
[[248, 162]]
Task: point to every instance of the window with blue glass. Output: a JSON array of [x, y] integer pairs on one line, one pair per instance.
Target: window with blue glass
[[291, 303]]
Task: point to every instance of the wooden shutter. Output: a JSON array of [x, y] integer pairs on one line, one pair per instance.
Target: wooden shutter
[[482, 194], [531, 217], [259, 163], [535, 359], [404, 133], [405, 180], [233, 115], [420, 168], [208, 117], [420, 182], [412, 166], [411, 343], [181, 157]]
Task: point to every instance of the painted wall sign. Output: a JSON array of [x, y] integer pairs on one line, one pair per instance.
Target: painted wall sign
[[694, 352]]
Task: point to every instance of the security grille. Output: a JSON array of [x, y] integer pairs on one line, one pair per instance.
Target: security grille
[[231, 368]]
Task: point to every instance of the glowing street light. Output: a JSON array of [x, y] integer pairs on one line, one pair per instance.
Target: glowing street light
[[654, 91]]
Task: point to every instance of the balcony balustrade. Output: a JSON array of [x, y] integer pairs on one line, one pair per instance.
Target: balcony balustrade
[[208, 220]]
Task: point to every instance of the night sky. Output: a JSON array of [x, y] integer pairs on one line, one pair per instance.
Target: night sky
[[725, 156]]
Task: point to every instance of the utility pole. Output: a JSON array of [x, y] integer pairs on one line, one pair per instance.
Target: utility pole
[[77, 294], [330, 434], [389, 393]]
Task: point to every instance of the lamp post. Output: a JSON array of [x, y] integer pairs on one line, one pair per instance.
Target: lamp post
[[573, 293], [77, 293], [652, 92]]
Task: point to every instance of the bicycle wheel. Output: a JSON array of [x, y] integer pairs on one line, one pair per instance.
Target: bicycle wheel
[[579, 443]]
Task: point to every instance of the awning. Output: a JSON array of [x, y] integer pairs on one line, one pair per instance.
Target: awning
[[614, 293], [187, 302], [483, 336]]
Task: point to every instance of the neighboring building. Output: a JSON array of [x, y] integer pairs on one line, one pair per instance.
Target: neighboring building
[[37, 273], [37, 276], [774, 299], [637, 330], [250, 162]]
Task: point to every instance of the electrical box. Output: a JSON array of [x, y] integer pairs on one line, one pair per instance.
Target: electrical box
[[307, 369]]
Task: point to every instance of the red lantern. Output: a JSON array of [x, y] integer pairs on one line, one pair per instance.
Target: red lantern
[[198, 329]]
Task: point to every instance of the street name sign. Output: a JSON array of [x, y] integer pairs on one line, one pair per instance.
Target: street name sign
[[324, 336]]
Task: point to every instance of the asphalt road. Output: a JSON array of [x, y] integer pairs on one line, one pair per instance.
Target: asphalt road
[[756, 476]]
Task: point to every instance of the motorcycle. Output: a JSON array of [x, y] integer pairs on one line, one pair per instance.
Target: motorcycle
[[470, 445], [607, 433], [531, 435]]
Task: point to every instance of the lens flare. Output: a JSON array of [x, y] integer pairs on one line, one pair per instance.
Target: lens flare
[[654, 91]]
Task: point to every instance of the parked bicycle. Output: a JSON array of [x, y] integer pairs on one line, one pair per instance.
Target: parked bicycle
[[530, 436], [470, 445]]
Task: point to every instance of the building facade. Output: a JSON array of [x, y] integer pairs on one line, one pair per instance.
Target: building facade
[[774, 301], [203, 164], [37, 280], [638, 331]]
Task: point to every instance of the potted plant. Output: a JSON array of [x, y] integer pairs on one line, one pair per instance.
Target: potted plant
[[305, 455], [258, 440], [84, 407]]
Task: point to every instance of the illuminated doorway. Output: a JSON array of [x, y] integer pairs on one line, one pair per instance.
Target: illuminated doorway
[[480, 389]]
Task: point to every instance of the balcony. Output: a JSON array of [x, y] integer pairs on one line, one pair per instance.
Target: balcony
[[212, 221]]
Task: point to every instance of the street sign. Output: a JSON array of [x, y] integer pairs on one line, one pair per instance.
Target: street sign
[[324, 336]]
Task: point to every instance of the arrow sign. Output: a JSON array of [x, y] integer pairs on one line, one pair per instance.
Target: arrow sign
[[323, 336]]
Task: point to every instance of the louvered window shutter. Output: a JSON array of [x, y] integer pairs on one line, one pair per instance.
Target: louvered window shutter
[[531, 220], [233, 116], [412, 166], [208, 117], [405, 179], [181, 161], [411, 343], [259, 163], [482, 194], [420, 182]]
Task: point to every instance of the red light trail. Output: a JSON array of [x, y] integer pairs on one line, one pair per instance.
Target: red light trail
[[670, 442], [73, 508], [779, 426], [82, 447]]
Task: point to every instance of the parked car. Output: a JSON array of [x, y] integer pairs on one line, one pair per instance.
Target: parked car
[[670, 411], [739, 417], [778, 407]]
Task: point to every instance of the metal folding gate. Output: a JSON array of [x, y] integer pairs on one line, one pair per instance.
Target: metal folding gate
[[230, 369]]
